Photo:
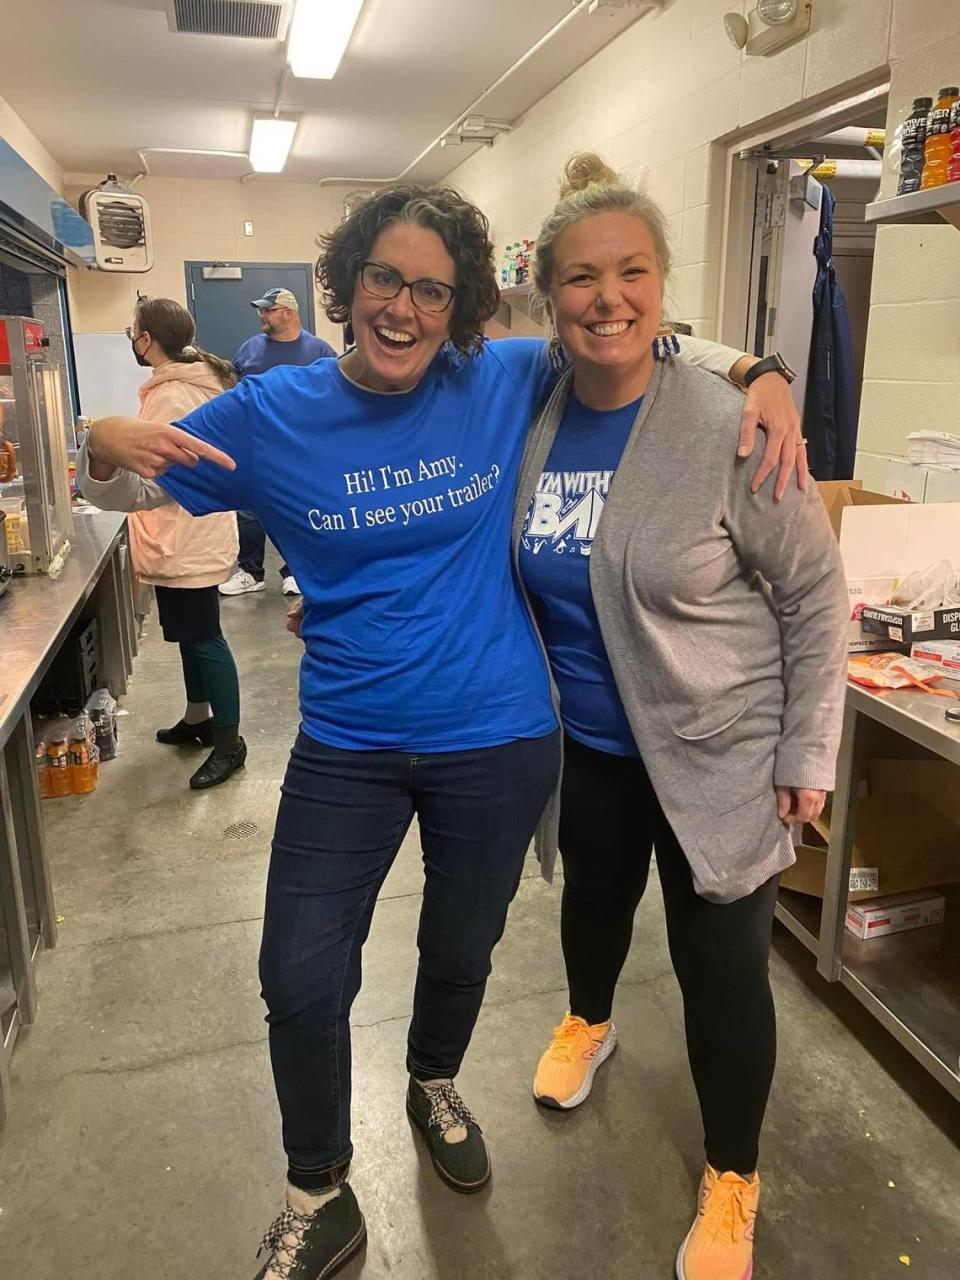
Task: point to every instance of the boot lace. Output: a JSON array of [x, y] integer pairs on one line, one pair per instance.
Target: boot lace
[[284, 1239], [570, 1039], [447, 1109], [726, 1215]]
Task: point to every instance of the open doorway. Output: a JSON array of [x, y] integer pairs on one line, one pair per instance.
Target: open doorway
[[786, 190]]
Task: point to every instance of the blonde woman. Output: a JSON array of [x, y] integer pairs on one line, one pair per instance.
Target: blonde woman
[[696, 637]]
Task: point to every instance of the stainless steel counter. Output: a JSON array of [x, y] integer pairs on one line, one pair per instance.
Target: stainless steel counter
[[909, 981], [37, 612]]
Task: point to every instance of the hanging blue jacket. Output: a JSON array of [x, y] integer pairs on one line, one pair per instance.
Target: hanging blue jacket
[[830, 408]]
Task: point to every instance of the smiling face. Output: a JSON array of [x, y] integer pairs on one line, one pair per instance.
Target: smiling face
[[606, 297], [395, 341]]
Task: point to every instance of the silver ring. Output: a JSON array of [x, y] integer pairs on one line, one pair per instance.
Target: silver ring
[[803, 441]]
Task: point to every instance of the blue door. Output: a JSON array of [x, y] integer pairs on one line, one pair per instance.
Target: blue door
[[219, 296]]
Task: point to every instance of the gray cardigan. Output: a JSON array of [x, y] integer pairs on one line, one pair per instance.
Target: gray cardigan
[[724, 617]]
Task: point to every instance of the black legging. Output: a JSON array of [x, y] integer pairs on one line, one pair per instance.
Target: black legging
[[610, 820]]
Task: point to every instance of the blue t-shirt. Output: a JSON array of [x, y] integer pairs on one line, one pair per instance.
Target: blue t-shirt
[[260, 353], [394, 513], [555, 550]]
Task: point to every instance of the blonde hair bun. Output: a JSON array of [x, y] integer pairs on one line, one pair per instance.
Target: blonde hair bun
[[584, 170]]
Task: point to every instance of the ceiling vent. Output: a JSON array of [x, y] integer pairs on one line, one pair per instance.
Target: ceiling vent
[[248, 19]]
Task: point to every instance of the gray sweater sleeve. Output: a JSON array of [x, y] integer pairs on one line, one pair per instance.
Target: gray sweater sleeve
[[792, 546], [124, 491]]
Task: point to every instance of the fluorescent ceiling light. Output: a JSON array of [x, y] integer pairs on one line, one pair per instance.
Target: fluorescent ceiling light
[[319, 34], [270, 143]]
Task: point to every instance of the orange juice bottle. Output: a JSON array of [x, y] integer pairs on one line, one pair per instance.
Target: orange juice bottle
[[58, 766], [83, 770], [43, 769], [936, 149]]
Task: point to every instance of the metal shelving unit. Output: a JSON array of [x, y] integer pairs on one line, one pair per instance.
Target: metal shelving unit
[[909, 981], [923, 208]]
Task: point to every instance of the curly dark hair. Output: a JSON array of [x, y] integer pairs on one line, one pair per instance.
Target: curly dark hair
[[461, 226]]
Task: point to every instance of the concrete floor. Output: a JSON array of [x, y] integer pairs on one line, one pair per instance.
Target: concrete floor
[[144, 1142]]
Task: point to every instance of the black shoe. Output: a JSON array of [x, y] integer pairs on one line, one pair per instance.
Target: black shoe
[[188, 735], [316, 1245], [436, 1108], [218, 766]]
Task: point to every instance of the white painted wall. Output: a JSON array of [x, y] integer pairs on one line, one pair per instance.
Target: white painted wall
[[658, 101], [26, 144]]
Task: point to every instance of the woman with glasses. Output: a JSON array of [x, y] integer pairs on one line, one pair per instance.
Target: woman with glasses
[[388, 478]]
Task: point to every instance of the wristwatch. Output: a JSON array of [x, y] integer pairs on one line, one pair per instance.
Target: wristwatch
[[774, 363]]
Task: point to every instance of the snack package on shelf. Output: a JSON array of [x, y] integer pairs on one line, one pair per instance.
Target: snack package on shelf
[[894, 671]]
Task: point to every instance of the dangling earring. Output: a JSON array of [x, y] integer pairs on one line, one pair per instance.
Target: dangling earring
[[556, 354], [666, 345]]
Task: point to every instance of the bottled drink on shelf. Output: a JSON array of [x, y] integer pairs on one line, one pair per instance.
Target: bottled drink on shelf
[[83, 765], [43, 769], [58, 766], [913, 136], [953, 168], [936, 150]]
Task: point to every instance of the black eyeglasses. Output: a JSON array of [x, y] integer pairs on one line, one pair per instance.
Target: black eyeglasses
[[428, 295]]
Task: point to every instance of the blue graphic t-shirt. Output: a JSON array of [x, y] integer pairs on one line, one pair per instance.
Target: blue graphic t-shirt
[[555, 564], [394, 514], [260, 353]]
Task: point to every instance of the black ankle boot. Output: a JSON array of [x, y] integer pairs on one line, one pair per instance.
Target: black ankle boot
[[317, 1245], [225, 759], [188, 735]]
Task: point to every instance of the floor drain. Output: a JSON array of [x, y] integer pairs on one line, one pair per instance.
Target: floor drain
[[240, 830]]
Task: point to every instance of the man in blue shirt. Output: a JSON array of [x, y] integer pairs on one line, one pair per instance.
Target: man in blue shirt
[[282, 340]]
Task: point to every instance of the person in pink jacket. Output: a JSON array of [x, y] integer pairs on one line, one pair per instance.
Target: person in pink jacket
[[184, 557]]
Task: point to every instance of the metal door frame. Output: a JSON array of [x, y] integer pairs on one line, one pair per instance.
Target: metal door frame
[[740, 196]]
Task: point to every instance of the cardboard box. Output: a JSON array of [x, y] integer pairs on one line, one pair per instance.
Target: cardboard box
[[880, 916], [904, 627], [941, 656], [808, 873], [840, 496], [906, 480], [882, 541], [902, 843], [933, 780]]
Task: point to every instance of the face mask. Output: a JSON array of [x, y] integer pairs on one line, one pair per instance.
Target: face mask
[[136, 354]]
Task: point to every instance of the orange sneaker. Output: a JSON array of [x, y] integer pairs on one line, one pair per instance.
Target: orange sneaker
[[565, 1073], [720, 1243]]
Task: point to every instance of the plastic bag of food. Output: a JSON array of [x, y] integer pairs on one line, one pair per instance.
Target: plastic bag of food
[[893, 671], [930, 588], [102, 710]]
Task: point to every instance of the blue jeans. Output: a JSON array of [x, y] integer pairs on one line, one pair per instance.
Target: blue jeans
[[342, 817]]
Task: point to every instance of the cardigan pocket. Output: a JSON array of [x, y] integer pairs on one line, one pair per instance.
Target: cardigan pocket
[[729, 765], [714, 720]]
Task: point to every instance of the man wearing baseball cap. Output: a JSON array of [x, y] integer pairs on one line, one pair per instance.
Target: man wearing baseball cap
[[281, 340]]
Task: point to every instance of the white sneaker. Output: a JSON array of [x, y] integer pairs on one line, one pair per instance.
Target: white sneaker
[[240, 584], [290, 587]]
